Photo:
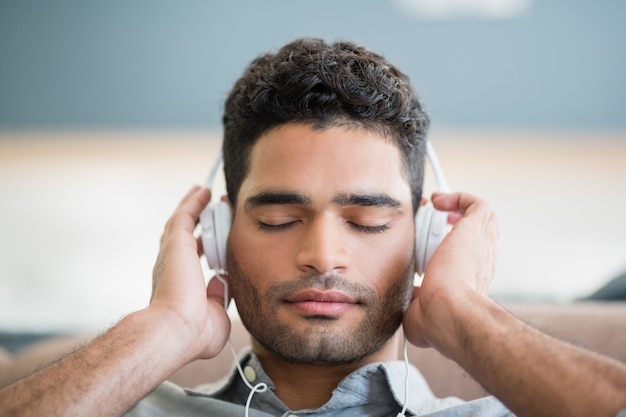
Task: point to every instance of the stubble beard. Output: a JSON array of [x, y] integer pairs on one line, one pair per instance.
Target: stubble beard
[[321, 343]]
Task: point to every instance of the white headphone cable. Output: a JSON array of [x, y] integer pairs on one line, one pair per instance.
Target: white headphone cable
[[261, 386], [406, 380]]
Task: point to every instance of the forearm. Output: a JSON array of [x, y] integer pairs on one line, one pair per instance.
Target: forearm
[[531, 372], [104, 378]]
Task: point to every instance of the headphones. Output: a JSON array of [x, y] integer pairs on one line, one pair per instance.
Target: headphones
[[430, 224]]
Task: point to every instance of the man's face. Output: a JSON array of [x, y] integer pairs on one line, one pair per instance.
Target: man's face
[[320, 253]]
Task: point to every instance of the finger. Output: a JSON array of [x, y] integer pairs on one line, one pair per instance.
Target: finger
[[461, 205], [182, 220], [193, 189], [199, 245], [195, 201], [188, 211], [218, 291], [453, 218], [454, 202], [416, 292], [412, 324]]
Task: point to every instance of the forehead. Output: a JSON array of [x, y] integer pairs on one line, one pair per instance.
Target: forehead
[[325, 163]]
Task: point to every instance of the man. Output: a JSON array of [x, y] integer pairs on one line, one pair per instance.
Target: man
[[323, 157]]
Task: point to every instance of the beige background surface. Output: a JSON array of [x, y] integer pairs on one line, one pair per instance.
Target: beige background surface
[[81, 214]]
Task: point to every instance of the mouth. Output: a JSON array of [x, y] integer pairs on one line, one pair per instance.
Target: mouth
[[313, 303]]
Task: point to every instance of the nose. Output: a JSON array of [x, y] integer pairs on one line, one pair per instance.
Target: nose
[[323, 246]]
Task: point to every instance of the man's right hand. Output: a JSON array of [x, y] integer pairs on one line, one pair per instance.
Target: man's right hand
[[184, 321], [178, 286]]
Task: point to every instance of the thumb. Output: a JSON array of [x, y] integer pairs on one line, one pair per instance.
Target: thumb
[[413, 319], [218, 291]]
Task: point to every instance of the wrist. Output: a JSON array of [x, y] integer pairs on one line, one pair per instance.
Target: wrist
[[161, 332], [460, 323], [194, 335]]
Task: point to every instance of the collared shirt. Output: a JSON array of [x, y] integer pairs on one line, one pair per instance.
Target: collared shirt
[[376, 389]]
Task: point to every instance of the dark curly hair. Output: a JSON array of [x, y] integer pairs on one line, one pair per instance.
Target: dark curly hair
[[312, 82]]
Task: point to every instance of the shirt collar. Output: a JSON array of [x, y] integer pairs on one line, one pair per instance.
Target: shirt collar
[[380, 383]]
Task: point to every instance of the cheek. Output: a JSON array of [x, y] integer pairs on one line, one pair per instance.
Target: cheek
[[387, 263], [376, 261], [254, 256]]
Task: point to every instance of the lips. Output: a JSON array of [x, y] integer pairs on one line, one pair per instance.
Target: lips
[[321, 303], [321, 296]]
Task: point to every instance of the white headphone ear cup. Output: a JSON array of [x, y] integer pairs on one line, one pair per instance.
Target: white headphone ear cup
[[422, 225], [215, 222], [430, 229], [222, 218]]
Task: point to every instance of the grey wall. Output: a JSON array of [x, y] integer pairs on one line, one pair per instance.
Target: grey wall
[[169, 64]]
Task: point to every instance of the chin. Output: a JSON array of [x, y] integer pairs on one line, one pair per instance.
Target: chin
[[325, 345]]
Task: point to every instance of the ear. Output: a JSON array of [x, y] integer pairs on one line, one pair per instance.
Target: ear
[[226, 200], [231, 209]]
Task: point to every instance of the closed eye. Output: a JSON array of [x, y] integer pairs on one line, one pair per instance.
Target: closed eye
[[276, 227], [370, 229]]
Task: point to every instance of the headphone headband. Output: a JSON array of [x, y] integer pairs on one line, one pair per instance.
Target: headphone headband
[[213, 173], [440, 179]]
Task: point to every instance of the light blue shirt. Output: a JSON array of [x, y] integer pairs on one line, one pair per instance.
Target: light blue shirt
[[374, 390]]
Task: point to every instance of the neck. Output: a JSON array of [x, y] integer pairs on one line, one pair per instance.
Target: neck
[[304, 386]]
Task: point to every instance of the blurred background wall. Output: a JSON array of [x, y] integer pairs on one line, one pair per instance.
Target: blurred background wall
[[110, 111]]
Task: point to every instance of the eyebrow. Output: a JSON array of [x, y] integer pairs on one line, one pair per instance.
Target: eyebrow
[[268, 198], [275, 197], [366, 200]]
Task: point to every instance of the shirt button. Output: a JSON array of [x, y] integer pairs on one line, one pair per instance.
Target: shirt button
[[250, 373]]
